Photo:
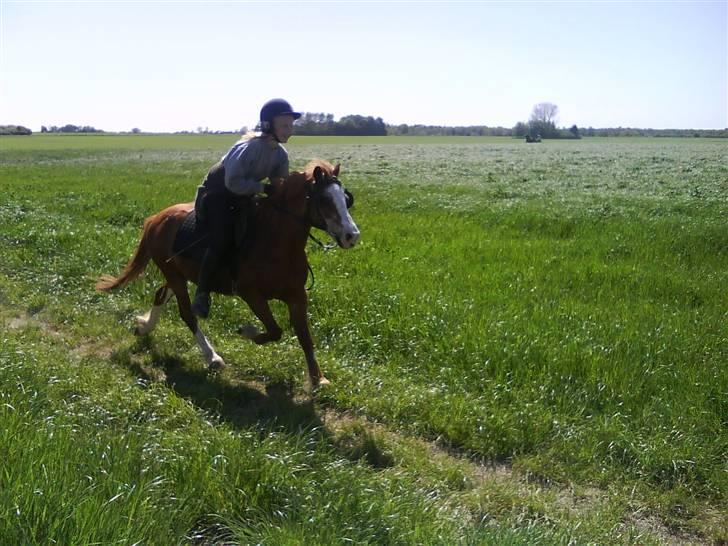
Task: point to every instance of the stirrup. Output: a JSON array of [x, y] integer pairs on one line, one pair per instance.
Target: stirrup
[[201, 305]]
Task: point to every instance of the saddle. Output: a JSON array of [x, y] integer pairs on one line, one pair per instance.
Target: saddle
[[191, 240]]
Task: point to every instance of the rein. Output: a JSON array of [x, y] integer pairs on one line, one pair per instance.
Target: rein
[[306, 223]]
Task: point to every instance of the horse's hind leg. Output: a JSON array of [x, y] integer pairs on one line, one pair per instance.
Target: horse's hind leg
[[261, 309], [179, 286], [146, 323]]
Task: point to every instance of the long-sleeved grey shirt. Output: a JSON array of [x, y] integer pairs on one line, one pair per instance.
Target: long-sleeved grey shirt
[[250, 161]]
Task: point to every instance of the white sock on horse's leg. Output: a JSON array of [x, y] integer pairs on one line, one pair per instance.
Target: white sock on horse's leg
[[214, 360], [146, 323]]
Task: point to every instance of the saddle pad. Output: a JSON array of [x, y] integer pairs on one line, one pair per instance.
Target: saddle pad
[[191, 239]]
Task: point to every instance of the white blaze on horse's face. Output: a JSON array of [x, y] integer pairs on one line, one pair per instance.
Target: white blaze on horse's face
[[340, 225]]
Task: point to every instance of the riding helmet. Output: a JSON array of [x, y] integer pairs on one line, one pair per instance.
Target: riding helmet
[[273, 108]]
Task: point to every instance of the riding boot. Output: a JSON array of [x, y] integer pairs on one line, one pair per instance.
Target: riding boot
[[240, 228], [201, 304]]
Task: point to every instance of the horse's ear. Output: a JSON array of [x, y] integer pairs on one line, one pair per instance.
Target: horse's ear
[[318, 175], [336, 169]]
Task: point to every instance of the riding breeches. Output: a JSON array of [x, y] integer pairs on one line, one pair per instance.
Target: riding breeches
[[225, 218]]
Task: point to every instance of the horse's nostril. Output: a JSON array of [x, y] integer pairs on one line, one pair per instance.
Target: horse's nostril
[[349, 236]]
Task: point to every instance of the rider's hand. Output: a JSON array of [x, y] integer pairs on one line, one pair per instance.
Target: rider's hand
[[276, 184], [269, 189]]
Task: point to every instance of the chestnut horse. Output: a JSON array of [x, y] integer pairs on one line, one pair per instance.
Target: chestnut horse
[[273, 267]]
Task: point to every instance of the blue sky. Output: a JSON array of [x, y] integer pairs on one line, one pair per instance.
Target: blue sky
[[169, 66]]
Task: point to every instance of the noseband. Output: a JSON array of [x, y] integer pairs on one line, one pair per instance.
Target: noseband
[[313, 196]]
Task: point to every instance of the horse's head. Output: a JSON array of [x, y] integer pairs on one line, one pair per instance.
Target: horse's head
[[329, 203]]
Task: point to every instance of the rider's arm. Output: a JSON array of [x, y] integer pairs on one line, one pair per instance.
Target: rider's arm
[[280, 171], [240, 170]]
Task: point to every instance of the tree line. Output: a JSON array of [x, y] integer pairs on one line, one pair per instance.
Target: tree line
[[443, 130], [354, 125], [70, 129], [14, 130], [542, 124]]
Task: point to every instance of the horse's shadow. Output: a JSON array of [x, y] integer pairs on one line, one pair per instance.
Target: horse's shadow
[[250, 405], [241, 405]]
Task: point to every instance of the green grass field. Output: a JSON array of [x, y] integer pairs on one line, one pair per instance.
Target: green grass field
[[528, 346]]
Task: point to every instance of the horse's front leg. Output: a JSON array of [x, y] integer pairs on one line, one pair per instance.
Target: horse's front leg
[[298, 310], [261, 309], [179, 286]]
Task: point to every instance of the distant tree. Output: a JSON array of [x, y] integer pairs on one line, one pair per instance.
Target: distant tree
[[574, 130], [520, 130], [361, 126], [43, 129], [136, 130], [14, 130], [311, 123], [545, 112], [543, 120]]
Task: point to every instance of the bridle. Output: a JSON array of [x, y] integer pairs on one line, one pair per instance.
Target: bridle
[[313, 199], [313, 196], [313, 203]]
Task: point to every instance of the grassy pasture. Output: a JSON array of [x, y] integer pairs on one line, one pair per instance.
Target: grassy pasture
[[528, 346]]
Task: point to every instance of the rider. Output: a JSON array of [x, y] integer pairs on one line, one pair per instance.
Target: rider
[[224, 198]]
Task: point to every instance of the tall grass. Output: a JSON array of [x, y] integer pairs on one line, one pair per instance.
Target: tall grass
[[91, 458], [558, 308]]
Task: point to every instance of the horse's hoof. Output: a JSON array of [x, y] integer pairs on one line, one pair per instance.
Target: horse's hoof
[[141, 325], [317, 383], [216, 365], [248, 331]]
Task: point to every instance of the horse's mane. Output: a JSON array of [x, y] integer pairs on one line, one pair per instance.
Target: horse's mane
[[297, 180], [327, 167]]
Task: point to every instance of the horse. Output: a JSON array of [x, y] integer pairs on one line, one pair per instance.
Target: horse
[[274, 266]]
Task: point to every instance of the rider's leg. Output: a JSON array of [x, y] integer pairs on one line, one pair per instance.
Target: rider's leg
[[244, 209], [220, 228], [201, 303]]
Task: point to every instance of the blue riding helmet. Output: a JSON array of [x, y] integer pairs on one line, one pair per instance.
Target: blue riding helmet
[[273, 108]]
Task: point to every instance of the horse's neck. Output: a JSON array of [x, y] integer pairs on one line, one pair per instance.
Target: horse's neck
[[278, 228]]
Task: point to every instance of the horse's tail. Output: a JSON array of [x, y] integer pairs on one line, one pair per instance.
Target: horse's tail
[[136, 266]]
